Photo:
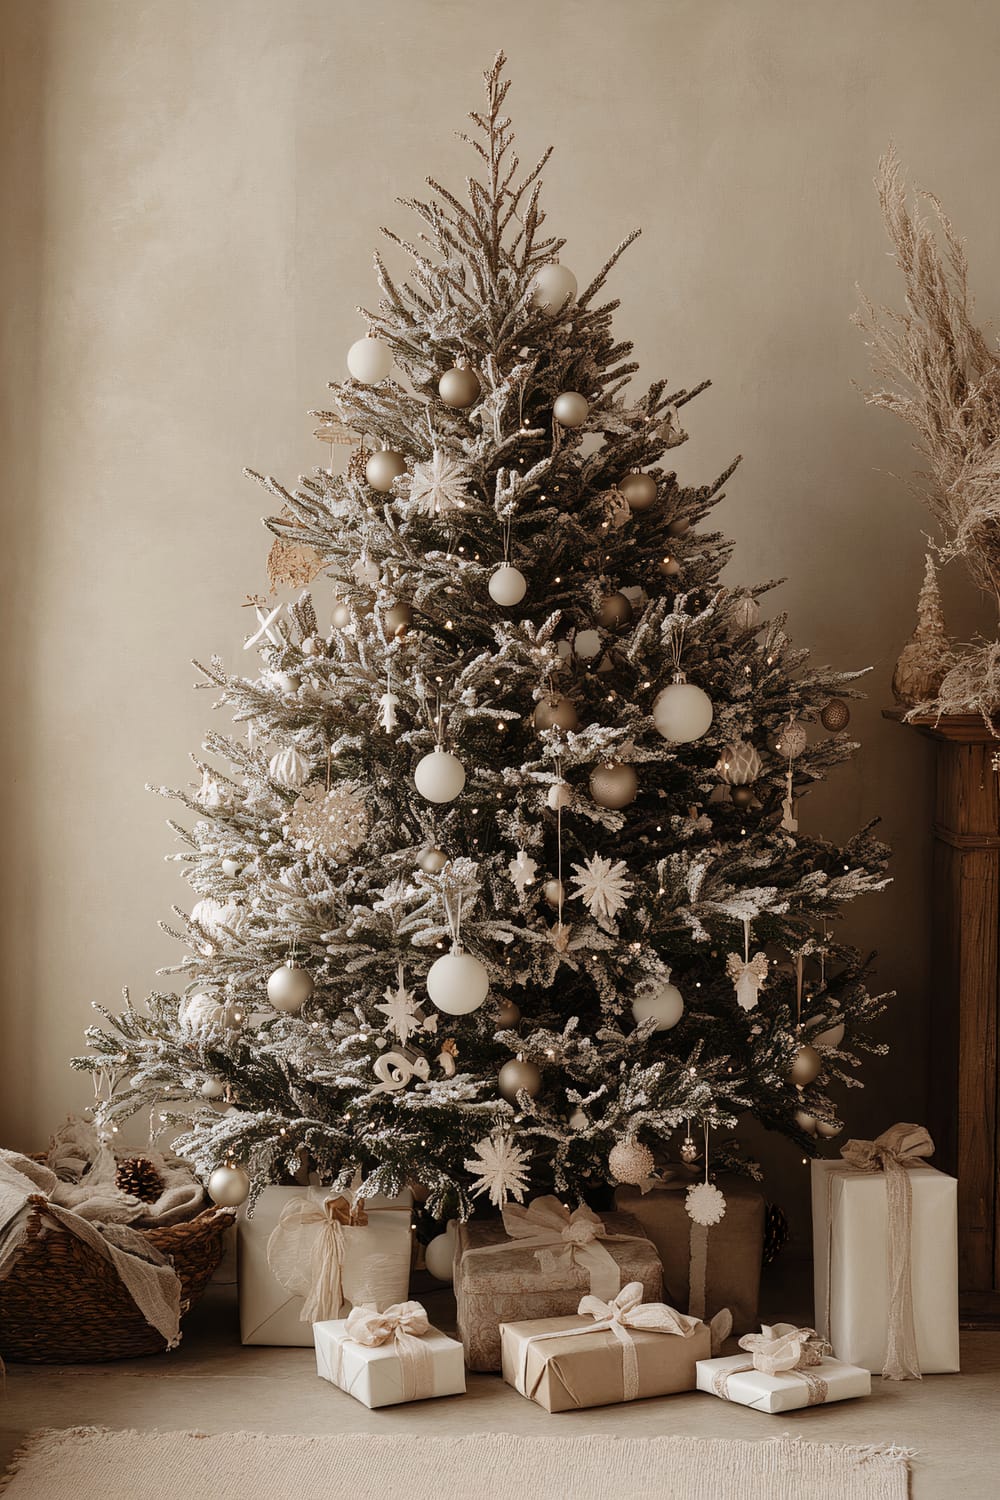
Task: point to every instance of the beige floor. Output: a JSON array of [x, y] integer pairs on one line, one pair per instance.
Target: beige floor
[[211, 1384]]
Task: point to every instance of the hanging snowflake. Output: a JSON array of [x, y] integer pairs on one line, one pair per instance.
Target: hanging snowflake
[[401, 1010], [439, 484], [748, 975], [523, 870], [333, 823], [705, 1204], [604, 886], [501, 1167]]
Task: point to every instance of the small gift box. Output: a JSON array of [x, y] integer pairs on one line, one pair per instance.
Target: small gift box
[[626, 1349], [536, 1262], [885, 1255], [788, 1369], [307, 1255], [705, 1267], [385, 1358]]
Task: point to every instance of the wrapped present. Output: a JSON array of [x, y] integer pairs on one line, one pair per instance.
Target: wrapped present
[[385, 1358], [624, 1350], [536, 1262], [705, 1267], [789, 1368], [885, 1255], [307, 1256]]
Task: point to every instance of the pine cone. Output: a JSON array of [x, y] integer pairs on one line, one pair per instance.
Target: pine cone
[[775, 1232], [137, 1176]]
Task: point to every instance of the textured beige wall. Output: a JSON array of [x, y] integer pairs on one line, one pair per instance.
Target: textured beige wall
[[193, 192]]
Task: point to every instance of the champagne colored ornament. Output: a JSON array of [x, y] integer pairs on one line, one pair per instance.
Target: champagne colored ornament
[[805, 1066], [310, 646], [682, 712], [831, 1036], [827, 1129], [657, 1000], [614, 784], [570, 409], [639, 490], [289, 767], [508, 1014], [432, 861], [457, 982], [516, 1075], [384, 468], [369, 360], [228, 1186], [290, 987], [439, 1256], [553, 288], [614, 612], [587, 644], [805, 1121], [630, 1161], [679, 526], [341, 615], [213, 1088], [398, 618], [739, 763], [560, 796], [669, 565], [555, 712], [439, 776], [835, 716], [578, 1120], [741, 796], [459, 387], [554, 892], [507, 586], [792, 740]]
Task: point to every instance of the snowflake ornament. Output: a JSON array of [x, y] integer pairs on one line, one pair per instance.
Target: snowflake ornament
[[523, 870], [603, 886], [401, 1010], [705, 1204], [333, 823], [501, 1167], [439, 484]]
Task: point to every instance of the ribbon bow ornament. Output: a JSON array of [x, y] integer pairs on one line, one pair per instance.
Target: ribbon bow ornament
[[306, 1248], [405, 1324]]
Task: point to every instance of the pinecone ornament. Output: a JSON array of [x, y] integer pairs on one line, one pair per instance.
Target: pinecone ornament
[[137, 1176], [775, 1232], [926, 657]]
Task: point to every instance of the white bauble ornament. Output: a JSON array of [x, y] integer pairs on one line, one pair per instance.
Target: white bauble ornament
[[232, 868], [289, 988], [432, 860], [560, 795], [570, 409], [384, 468], [553, 288], [578, 1120], [213, 1088], [228, 1186], [507, 585], [289, 767], [310, 646], [369, 360], [457, 982], [831, 1037], [682, 712], [439, 776], [217, 918], [439, 1255], [630, 1161], [587, 644], [660, 1001], [202, 1016]]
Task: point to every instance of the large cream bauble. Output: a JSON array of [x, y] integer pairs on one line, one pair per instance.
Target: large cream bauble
[[570, 409], [459, 387], [613, 785], [369, 360], [439, 1256], [658, 1001], [457, 983], [553, 288], [383, 468], [228, 1186], [639, 490], [587, 644], [682, 712], [440, 776], [519, 1074], [806, 1065], [507, 585], [289, 988]]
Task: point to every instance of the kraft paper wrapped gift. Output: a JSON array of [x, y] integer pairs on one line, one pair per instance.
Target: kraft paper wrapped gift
[[885, 1256], [373, 1261], [385, 1358], [725, 1257], [623, 1350], [536, 1262]]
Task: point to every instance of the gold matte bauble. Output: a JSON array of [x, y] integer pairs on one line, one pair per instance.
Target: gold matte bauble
[[341, 615], [741, 796], [556, 712], [431, 861], [554, 892], [806, 1065], [639, 490], [669, 566], [570, 409], [615, 612], [516, 1075], [835, 716], [228, 1186], [614, 784], [508, 1014], [383, 468], [805, 1121], [289, 988], [398, 618], [459, 387], [680, 527]]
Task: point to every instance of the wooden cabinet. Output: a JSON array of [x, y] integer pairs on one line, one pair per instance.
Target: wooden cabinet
[[964, 1083]]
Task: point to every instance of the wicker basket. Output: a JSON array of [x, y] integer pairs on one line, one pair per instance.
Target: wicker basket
[[64, 1303]]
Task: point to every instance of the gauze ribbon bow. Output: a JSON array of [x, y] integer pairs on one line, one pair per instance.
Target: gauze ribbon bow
[[562, 1240], [781, 1349], [405, 1323], [318, 1276], [895, 1153]]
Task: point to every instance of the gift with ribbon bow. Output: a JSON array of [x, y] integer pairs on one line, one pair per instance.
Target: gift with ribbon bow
[[388, 1357], [788, 1368], [536, 1261], [308, 1255], [885, 1253], [623, 1350]]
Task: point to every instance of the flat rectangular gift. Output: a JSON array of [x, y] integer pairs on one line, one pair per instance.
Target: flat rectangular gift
[[851, 1265], [403, 1367], [543, 1269], [726, 1257], [734, 1379], [376, 1262]]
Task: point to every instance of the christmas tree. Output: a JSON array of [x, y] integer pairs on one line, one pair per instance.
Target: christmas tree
[[501, 883]]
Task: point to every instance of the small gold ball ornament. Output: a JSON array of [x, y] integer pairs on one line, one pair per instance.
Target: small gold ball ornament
[[680, 526], [615, 612], [570, 409], [614, 784], [835, 716], [384, 468], [806, 1065], [508, 1014], [398, 618], [555, 711], [459, 387], [639, 490], [669, 566], [432, 860], [517, 1075]]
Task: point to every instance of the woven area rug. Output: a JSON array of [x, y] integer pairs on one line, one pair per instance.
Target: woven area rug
[[86, 1463]]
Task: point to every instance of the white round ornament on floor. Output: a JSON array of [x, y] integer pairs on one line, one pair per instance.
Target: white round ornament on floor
[[289, 988], [457, 982], [439, 1255], [507, 585], [659, 1001], [369, 360], [553, 287], [570, 409], [439, 776], [228, 1186], [682, 712]]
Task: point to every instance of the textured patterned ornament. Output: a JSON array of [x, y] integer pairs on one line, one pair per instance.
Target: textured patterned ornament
[[613, 785], [739, 763], [689, 1150], [203, 1018], [619, 510], [745, 614], [217, 919], [792, 740], [630, 1161], [705, 1204], [331, 823], [835, 716], [439, 484], [289, 767]]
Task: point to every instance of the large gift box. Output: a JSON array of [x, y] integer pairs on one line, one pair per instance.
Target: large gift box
[[787, 1370], [705, 1267], [885, 1255], [621, 1350], [301, 1260], [384, 1358], [536, 1262]]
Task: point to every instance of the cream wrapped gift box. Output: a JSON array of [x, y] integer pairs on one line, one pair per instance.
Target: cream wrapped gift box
[[375, 1262], [855, 1300], [788, 1368], [382, 1359]]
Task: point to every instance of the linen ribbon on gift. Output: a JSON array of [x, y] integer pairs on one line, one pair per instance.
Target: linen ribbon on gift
[[781, 1349], [679, 1177], [405, 1323], [320, 1278], [562, 1240], [895, 1153], [620, 1314]]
